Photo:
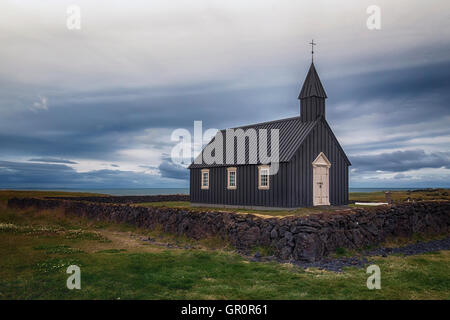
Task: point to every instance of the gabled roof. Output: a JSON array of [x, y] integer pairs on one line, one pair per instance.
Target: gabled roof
[[292, 133], [312, 87]]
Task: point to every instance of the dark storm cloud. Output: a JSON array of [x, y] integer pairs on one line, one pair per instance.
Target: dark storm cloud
[[52, 160], [148, 167], [83, 128], [98, 129], [401, 176], [400, 161], [22, 175], [168, 169], [403, 96], [104, 122], [388, 84]]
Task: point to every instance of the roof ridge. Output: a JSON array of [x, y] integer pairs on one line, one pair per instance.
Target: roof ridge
[[313, 124], [266, 122]]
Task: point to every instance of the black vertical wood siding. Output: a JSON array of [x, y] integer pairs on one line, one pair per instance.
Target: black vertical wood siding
[[311, 108], [247, 192], [320, 140]]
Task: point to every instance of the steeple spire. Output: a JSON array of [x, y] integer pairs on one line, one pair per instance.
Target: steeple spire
[[312, 87], [312, 96]]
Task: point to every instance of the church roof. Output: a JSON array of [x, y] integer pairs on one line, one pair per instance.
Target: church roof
[[312, 87], [292, 133]]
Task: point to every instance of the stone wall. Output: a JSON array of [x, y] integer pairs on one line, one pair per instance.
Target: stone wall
[[299, 238]]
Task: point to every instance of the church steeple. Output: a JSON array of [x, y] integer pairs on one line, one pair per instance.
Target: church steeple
[[312, 97], [312, 87]]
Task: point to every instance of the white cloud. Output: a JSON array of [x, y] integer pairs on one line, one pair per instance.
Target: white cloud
[[42, 104]]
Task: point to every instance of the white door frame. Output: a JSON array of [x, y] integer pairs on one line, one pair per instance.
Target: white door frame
[[321, 180]]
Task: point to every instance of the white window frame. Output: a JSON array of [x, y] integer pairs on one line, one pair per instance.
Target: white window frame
[[204, 187], [260, 170], [229, 171]]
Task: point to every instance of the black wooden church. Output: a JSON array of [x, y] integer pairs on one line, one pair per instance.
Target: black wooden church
[[313, 167]]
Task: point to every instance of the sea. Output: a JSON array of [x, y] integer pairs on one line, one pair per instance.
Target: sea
[[153, 191]]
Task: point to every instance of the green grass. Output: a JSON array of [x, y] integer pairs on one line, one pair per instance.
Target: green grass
[[36, 247], [112, 251], [435, 194], [277, 213], [168, 204], [196, 274], [57, 249]]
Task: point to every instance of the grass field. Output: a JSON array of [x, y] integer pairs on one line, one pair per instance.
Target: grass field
[[7, 194], [432, 194], [116, 263], [265, 213]]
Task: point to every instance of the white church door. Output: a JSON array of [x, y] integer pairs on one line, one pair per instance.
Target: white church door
[[321, 180]]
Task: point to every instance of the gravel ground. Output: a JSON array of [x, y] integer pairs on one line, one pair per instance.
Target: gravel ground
[[411, 249], [335, 264]]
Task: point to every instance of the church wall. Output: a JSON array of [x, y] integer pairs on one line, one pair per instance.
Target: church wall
[[291, 187], [247, 192], [301, 170]]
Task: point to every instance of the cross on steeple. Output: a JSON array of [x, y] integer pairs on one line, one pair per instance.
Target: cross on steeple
[[312, 49]]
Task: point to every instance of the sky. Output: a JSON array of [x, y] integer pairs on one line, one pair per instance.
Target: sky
[[95, 107]]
